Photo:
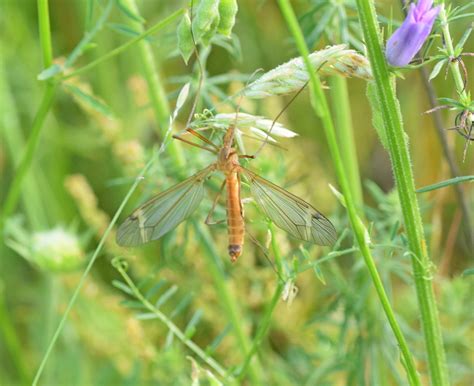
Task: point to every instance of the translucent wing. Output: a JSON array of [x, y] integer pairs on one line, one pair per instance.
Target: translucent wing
[[291, 213], [163, 212]]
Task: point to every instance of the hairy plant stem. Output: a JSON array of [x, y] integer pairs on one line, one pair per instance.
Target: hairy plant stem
[[440, 130], [453, 64], [453, 167], [321, 108], [463, 95], [401, 164]]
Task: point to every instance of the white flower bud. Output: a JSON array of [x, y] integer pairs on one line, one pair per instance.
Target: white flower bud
[[56, 250]]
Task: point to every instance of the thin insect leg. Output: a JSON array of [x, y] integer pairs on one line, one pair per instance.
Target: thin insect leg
[[194, 144], [265, 253], [208, 221], [251, 156], [202, 138]]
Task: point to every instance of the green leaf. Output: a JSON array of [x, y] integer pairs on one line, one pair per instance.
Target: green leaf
[[155, 289], [231, 45], [452, 102], [319, 273], [206, 20], [146, 316], [227, 12], [211, 348], [338, 195], [185, 38], [463, 40], [443, 184], [437, 68], [166, 296], [49, 72], [89, 13], [133, 304], [377, 117], [122, 287], [129, 13], [89, 100], [191, 327], [183, 303], [124, 29], [468, 272]]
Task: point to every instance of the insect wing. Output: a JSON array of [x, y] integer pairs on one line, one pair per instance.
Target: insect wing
[[163, 212], [291, 213]]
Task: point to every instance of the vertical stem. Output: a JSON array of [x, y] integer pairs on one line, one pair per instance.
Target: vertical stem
[[88, 268], [454, 65], [403, 173], [45, 33], [27, 157], [343, 122], [453, 167], [321, 108], [10, 128], [228, 301], [11, 341], [156, 90], [46, 103]]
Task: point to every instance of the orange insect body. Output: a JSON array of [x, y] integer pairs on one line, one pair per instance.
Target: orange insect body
[[165, 211], [228, 163]]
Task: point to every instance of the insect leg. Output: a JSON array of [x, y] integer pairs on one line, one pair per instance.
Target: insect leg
[[194, 144], [265, 252], [208, 220], [202, 138]]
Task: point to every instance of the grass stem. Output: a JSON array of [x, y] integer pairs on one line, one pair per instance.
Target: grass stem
[[320, 105], [228, 301], [88, 268], [401, 165]]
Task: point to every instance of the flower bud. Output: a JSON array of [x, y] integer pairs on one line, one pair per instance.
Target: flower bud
[[56, 250], [407, 40]]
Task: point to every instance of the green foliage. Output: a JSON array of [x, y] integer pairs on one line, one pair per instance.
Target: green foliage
[[227, 13], [86, 137], [185, 39]]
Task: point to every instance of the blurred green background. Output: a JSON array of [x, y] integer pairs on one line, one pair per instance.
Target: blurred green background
[[334, 332]]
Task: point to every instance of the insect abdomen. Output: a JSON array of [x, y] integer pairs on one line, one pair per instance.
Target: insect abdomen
[[235, 220]]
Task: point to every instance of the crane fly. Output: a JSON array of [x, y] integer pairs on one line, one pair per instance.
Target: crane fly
[[165, 211]]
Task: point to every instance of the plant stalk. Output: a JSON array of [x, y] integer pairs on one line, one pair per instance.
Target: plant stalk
[[156, 91], [321, 108], [228, 301], [45, 33], [401, 164], [24, 165], [345, 133], [170, 325], [453, 64]]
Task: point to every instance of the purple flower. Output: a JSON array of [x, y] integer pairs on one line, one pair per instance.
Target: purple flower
[[406, 41]]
